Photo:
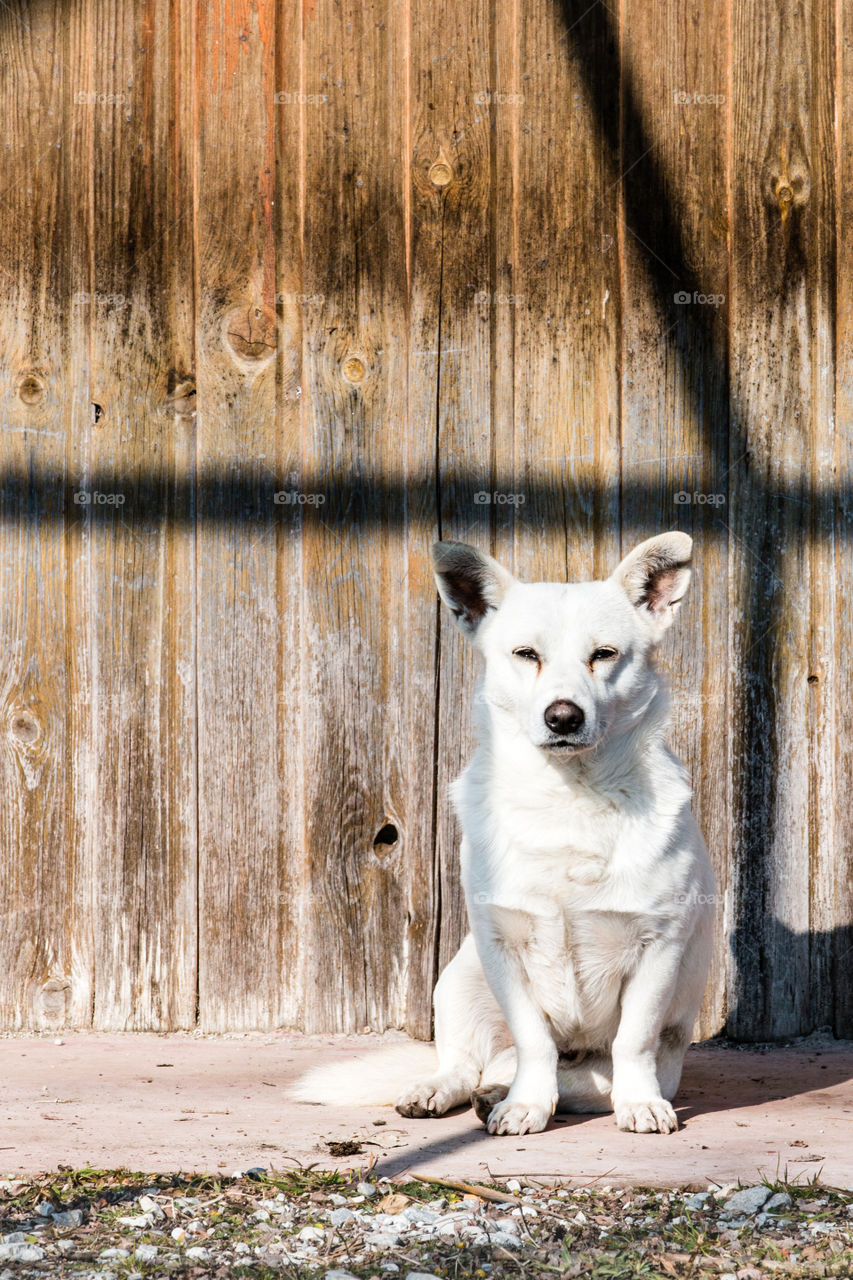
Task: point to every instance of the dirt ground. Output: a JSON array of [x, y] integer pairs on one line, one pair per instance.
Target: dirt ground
[[190, 1102]]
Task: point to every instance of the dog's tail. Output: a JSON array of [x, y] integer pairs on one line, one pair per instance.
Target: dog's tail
[[369, 1079]]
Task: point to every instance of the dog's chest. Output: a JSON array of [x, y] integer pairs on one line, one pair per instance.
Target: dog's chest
[[575, 963]]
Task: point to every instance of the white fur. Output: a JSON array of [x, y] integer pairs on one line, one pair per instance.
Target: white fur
[[588, 885]]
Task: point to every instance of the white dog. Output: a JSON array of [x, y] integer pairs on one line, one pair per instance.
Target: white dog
[[588, 885]]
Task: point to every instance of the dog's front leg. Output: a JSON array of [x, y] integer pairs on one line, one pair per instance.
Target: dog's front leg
[[533, 1094], [636, 1094]]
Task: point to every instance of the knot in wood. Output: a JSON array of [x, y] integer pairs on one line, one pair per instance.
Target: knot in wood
[[251, 332], [441, 174], [24, 726], [354, 370], [31, 388]]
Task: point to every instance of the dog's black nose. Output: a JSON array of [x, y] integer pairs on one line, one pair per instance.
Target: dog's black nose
[[563, 717]]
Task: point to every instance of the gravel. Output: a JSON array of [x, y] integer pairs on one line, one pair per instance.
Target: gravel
[[349, 1226]]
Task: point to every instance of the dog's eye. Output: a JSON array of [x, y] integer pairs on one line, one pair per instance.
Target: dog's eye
[[604, 654], [526, 654]]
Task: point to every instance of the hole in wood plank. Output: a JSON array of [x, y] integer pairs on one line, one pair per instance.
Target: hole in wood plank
[[386, 839], [813, 679], [97, 413]]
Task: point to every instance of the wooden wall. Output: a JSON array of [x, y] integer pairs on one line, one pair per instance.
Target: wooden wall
[[388, 257]]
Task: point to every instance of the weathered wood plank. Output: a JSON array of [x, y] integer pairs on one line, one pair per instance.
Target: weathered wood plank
[[781, 318], [839, 880], [355, 590], [40, 265], [451, 246], [675, 373], [247, 783], [555, 305], [136, 591]]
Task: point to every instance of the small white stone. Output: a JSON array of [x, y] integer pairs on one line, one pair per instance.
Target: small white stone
[[513, 1185], [382, 1240], [113, 1253], [747, 1201], [16, 1252], [311, 1235], [45, 1209], [241, 1247], [368, 1189], [68, 1218], [145, 1252], [505, 1238], [199, 1253]]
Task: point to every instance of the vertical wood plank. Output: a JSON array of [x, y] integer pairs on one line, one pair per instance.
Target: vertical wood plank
[[451, 370], [249, 792], [838, 499], [781, 345], [674, 373], [40, 265], [135, 592], [556, 295], [359, 840]]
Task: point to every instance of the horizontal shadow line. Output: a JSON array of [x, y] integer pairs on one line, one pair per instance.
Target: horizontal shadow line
[[254, 495]]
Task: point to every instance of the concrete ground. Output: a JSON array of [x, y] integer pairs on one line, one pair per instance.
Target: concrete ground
[[193, 1103]]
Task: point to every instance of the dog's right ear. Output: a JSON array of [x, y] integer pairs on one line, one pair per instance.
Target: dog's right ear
[[469, 582]]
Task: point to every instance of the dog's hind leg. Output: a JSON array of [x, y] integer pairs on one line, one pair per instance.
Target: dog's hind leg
[[469, 1031]]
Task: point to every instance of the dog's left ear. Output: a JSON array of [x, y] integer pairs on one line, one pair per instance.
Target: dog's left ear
[[655, 576]]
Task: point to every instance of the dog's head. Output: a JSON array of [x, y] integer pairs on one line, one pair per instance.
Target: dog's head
[[564, 661]]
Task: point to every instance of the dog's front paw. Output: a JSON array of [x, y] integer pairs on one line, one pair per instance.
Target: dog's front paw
[[430, 1097], [518, 1117], [656, 1116]]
